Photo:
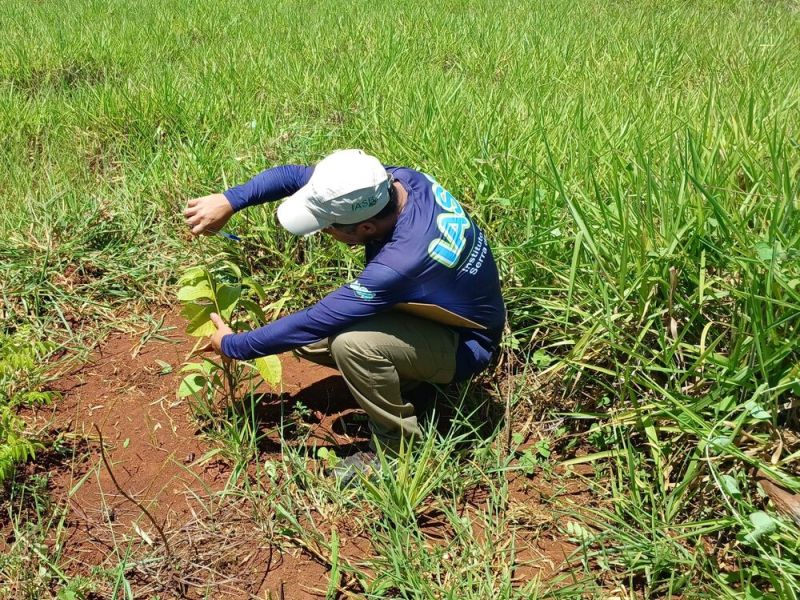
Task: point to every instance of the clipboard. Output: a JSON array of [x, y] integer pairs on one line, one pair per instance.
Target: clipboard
[[432, 312]]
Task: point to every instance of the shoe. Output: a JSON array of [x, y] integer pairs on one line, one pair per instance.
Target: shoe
[[423, 397], [364, 463]]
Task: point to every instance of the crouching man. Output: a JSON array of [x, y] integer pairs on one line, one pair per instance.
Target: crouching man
[[426, 308]]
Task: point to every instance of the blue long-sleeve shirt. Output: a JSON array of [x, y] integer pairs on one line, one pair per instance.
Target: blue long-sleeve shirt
[[434, 255]]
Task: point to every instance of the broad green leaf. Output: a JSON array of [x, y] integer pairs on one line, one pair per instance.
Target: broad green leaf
[[202, 326], [204, 366], [190, 293], [188, 368], [199, 317], [719, 442], [250, 283], [234, 268], [269, 367], [227, 296], [254, 309], [764, 251], [191, 385], [192, 276], [190, 311], [757, 411], [763, 521]]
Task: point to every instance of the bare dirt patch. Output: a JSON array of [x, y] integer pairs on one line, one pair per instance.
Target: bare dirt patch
[[127, 390]]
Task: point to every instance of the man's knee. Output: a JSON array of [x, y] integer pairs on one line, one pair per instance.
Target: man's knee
[[349, 343], [318, 352]]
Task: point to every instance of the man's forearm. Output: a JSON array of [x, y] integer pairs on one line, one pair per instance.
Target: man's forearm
[[284, 334], [269, 185]]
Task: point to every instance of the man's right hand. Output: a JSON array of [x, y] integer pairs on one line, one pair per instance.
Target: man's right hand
[[208, 214]]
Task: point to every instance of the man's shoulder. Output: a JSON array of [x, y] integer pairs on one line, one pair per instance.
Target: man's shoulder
[[406, 173]]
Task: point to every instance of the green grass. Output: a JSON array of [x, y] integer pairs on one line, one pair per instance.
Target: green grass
[[636, 167]]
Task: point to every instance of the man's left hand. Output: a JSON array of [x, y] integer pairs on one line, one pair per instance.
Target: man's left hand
[[222, 331]]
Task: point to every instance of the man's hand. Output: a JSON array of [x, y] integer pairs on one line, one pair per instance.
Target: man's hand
[[222, 331], [208, 214]]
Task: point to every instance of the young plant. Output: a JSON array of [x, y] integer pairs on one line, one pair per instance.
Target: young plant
[[21, 377], [221, 289]]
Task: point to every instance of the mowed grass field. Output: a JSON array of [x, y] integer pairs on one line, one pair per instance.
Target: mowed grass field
[[636, 167]]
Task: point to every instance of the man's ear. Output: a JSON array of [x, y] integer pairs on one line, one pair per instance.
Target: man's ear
[[366, 228]]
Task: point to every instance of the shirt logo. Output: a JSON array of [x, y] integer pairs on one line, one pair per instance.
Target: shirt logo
[[453, 224], [361, 291]]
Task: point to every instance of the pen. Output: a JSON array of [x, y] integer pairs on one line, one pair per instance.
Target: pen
[[229, 236]]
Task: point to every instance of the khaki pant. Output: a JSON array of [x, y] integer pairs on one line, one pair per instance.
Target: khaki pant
[[384, 356]]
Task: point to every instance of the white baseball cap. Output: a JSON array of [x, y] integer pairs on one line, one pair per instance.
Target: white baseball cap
[[346, 187]]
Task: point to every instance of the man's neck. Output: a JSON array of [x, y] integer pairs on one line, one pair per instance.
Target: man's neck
[[386, 225], [402, 197]]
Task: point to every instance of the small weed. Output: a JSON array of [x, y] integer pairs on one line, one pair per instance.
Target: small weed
[[534, 457], [328, 457], [22, 365]]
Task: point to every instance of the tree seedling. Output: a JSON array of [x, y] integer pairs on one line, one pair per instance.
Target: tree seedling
[[221, 289]]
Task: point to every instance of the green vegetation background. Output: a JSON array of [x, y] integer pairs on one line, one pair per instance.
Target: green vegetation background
[[636, 166]]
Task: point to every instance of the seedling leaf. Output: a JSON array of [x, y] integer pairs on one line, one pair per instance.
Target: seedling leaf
[[254, 309], [269, 367], [190, 293], [541, 359], [192, 276], [763, 524], [227, 296], [248, 282], [199, 317], [191, 385]]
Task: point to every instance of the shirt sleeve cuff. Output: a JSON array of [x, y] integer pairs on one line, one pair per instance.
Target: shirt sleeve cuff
[[234, 196], [228, 346]]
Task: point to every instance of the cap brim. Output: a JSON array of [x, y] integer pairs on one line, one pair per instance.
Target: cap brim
[[295, 217]]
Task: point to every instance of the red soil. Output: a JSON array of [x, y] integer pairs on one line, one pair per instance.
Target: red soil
[[157, 456]]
